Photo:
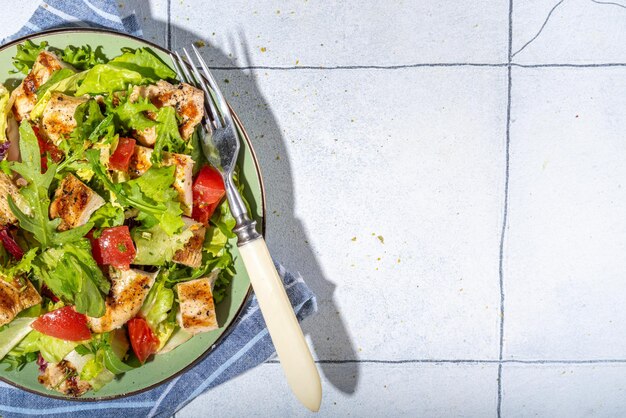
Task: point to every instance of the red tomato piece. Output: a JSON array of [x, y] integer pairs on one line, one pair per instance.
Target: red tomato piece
[[122, 155], [208, 191], [64, 323], [47, 148], [142, 339], [114, 247], [202, 212]]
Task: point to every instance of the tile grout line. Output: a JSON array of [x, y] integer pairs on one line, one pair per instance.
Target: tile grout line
[[505, 211], [169, 25], [469, 361], [418, 65]]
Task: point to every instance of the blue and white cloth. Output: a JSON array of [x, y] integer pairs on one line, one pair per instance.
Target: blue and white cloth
[[247, 346]]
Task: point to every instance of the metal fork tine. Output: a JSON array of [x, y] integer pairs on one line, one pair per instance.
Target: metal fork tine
[[183, 67], [221, 102], [177, 67], [200, 83]]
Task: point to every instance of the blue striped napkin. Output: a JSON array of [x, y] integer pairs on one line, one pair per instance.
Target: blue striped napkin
[[247, 346]]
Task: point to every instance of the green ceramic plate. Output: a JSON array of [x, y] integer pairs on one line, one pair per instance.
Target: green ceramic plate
[[166, 366]]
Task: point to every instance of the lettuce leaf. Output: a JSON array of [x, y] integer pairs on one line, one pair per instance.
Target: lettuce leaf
[[55, 78], [129, 115], [145, 62], [155, 247], [83, 57], [23, 266], [158, 312], [52, 349], [107, 216], [107, 78], [26, 55], [67, 85], [72, 274], [13, 333], [4, 113], [168, 136]]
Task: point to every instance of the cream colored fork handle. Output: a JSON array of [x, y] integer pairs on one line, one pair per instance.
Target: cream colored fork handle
[[282, 324]]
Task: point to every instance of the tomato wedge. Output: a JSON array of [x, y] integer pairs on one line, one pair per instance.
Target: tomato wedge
[[142, 339], [208, 191], [115, 247], [47, 148], [122, 155], [64, 323]]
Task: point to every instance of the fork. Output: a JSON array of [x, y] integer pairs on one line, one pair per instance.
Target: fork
[[220, 144]]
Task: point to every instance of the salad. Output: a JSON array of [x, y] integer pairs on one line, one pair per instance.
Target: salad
[[114, 227]]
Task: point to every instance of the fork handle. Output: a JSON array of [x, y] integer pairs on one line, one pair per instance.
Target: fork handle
[[282, 324]]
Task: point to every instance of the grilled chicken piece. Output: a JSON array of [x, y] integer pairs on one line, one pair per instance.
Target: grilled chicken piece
[[128, 292], [197, 309], [186, 99], [57, 120], [183, 176], [63, 377], [74, 202], [24, 96], [8, 188], [15, 297], [191, 254]]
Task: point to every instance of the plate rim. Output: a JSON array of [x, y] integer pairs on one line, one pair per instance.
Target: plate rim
[[259, 175]]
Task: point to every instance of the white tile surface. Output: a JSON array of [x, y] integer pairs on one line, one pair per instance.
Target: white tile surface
[[415, 390], [577, 31], [588, 390], [339, 177], [567, 233], [347, 33]]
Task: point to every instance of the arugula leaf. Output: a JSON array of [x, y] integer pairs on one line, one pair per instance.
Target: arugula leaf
[[168, 136], [145, 62], [26, 55], [72, 274], [88, 117], [83, 57], [36, 194]]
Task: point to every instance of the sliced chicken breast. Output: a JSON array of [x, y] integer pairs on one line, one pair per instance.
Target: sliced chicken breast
[[186, 99], [15, 296], [8, 188], [128, 292], [183, 181], [24, 96], [197, 308], [63, 377], [57, 120], [74, 202], [191, 254]]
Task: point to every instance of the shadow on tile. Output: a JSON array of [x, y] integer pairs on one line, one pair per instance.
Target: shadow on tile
[[257, 116]]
